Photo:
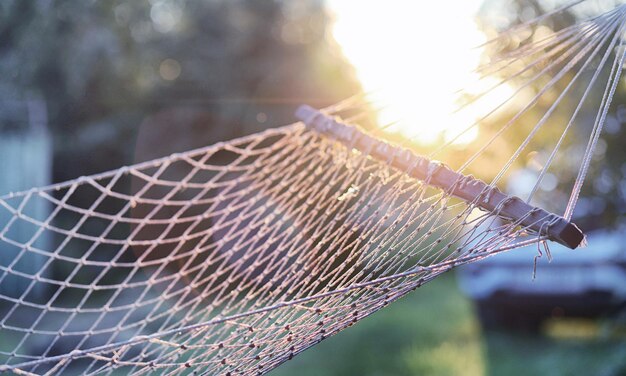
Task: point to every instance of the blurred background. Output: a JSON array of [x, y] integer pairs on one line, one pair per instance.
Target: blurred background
[[89, 86]]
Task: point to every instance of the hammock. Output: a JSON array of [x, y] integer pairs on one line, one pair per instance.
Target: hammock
[[233, 258]]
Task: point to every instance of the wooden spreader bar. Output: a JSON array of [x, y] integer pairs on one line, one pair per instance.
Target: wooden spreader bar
[[436, 174]]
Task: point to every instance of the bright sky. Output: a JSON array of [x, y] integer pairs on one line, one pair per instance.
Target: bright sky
[[415, 56]]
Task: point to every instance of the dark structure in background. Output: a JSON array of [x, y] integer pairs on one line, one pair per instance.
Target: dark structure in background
[[584, 283]]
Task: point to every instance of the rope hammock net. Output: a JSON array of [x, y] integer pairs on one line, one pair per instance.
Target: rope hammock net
[[233, 258]]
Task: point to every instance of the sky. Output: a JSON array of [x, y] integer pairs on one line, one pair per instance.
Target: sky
[[414, 57]]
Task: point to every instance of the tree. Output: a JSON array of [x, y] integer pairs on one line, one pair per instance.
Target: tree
[[603, 198], [190, 72]]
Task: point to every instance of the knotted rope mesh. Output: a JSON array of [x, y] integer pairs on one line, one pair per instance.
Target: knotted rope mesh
[[233, 258]]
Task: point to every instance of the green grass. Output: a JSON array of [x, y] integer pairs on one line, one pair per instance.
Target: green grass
[[434, 331]]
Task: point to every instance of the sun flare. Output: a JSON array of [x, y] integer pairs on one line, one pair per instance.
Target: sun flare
[[414, 57]]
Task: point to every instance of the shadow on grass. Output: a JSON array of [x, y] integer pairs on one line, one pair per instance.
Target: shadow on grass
[[430, 331], [434, 331]]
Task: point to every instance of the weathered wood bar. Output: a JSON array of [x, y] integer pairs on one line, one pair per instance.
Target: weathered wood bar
[[436, 174]]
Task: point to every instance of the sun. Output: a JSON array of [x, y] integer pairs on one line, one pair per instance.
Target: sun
[[414, 57]]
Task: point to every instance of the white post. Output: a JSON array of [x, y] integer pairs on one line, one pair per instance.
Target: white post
[[25, 162]]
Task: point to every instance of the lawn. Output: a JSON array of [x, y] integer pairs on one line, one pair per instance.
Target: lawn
[[434, 331]]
